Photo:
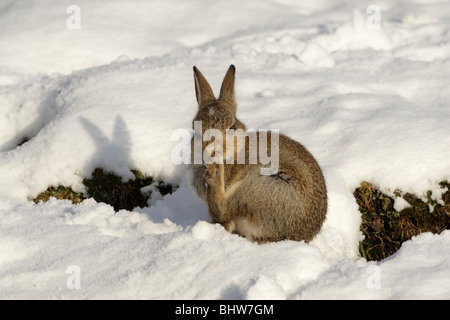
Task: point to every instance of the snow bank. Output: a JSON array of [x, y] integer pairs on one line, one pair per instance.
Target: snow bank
[[370, 104], [127, 255]]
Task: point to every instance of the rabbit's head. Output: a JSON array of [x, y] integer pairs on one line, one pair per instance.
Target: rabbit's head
[[215, 113], [219, 114]]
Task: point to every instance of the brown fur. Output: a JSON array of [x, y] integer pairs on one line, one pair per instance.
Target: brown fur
[[291, 204]]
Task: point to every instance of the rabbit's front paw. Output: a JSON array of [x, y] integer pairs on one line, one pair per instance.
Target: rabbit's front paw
[[213, 174]]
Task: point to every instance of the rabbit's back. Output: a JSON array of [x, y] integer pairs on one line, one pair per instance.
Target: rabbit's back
[[290, 204]]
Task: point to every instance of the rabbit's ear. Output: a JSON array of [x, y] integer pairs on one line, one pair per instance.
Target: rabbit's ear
[[203, 90], [227, 89]]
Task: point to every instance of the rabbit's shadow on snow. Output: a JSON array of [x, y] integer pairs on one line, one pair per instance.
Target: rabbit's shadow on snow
[[114, 155]]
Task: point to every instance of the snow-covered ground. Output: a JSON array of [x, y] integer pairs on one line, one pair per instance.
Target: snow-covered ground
[[369, 100]]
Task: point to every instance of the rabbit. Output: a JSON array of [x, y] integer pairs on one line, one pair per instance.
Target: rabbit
[[289, 204]]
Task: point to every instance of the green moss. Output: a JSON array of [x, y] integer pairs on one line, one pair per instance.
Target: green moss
[[385, 229]]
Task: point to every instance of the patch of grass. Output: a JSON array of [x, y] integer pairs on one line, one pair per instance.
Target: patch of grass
[[109, 188], [60, 193], [385, 229]]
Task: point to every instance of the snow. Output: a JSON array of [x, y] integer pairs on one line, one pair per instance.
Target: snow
[[370, 105], [400, 204]]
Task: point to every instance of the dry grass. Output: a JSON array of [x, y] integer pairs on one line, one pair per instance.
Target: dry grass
[[60, 193], [109, 188]]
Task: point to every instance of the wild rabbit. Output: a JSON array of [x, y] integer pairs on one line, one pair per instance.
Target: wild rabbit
[[290, 203]]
